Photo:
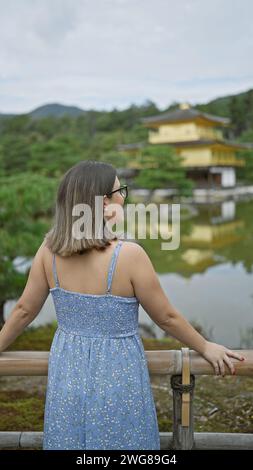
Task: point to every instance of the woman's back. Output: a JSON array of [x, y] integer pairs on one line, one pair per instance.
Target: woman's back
[[98, 394], [87, 314], [88, 273]]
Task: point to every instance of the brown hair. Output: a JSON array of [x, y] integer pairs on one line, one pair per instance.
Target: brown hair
[[79, 185]]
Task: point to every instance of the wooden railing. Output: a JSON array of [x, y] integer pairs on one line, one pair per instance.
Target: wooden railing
[[164, 362]]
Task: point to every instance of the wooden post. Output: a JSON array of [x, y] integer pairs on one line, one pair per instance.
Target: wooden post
[[183, 387], [183, 436]]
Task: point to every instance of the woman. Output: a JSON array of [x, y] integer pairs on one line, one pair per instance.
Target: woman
[[98, 393]]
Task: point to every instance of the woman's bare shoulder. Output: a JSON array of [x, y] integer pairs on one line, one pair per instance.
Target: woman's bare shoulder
[[133, 248], [45, 252]]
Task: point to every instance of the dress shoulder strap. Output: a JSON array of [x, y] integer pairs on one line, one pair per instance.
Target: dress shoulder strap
[[112, 265], [55, 272]]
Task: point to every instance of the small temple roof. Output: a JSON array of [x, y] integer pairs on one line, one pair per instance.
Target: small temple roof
[[184, 113]]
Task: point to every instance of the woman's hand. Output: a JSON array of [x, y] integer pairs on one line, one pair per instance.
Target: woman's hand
[[217, 355]]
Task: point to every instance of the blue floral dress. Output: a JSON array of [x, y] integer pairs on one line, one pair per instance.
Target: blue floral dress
[[99, 394]]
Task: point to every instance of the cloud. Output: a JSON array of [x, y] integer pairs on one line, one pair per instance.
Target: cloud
[[111, 53]]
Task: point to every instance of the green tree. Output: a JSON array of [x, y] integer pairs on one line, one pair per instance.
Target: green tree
[[15, 152], [248, 100], [245, 172], [26, 208], [237, 113], [162, 168], [55, 156], [117, 159]]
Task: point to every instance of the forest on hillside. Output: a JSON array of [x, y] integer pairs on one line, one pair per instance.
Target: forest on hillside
[[49, 144]]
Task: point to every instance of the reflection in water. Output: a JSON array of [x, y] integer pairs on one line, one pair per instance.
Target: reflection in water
[[219, 299], [209, 278], [247, 338], [198, 257], [215, 235], [227, 209]]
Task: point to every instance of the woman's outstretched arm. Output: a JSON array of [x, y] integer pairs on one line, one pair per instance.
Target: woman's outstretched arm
[[155, 302], [29, 304]]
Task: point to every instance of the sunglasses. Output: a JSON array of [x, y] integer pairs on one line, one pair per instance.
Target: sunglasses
[[123, 191]]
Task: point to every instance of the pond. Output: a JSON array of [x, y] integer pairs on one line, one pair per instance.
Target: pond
[[208, 278]]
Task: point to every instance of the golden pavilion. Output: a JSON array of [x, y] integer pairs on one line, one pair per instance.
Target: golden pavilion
[[210, 159]]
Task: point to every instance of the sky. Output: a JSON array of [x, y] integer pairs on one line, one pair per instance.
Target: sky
[[107, 54]]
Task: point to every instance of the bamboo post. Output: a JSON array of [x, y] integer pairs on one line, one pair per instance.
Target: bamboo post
[[183, 436], [183, 388]]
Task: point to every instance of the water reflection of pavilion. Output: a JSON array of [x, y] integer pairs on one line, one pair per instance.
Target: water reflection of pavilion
[[217, 228]]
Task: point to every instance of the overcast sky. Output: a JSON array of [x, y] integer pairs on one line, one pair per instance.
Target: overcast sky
[[111, 53]]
